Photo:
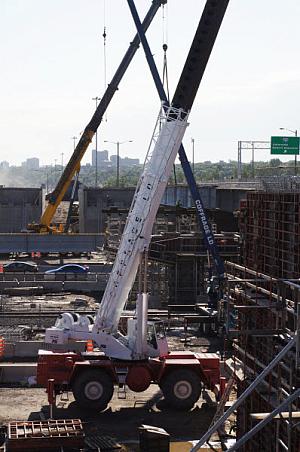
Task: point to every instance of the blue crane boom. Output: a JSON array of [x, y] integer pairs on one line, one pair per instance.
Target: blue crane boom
[[201, 48]]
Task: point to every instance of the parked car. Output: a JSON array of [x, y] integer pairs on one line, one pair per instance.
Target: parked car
[[69, 268], [19, 266]]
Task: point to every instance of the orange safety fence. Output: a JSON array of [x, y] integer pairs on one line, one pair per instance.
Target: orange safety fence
[[89, 345]]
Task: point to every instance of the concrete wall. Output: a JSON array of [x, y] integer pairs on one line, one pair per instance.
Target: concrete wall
[[18, 207], [49, 243], [229, 199], [182, 194], [93, 201]]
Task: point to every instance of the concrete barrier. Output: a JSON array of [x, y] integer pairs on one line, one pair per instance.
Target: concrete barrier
[[29, 349], [17, 373], [50, 243]]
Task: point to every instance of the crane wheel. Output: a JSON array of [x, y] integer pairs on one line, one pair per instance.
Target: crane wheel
[[93, 389], [181, 389]]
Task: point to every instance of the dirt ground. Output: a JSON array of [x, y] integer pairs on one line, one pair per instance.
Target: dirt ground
[[120, 420]]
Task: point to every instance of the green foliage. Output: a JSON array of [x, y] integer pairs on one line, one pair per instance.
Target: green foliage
[[106, 177], [275, 162]]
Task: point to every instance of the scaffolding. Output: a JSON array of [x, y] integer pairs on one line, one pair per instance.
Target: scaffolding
[[178, 261], [262, 316]]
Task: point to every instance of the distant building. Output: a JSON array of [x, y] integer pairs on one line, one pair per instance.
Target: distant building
[[4, 165], [126, 161], [31, 164], [99, 156], [104, 162]]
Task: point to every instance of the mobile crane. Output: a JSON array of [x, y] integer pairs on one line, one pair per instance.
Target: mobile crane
[[141, 357]]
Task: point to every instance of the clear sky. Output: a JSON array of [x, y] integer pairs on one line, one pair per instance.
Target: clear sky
[[52, 65]]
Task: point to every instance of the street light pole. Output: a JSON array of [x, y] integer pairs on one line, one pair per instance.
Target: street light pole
[[55, 160], [118, 143], [193, 150], [295, 132], [252, 163], [118, 163], [96, 143], [74, 142]]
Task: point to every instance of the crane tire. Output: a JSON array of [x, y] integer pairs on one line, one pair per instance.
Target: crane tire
[[181, 389], [93, 389]]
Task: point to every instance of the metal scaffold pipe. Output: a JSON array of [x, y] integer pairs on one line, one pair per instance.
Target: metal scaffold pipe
[[245, 394], [264, 422]]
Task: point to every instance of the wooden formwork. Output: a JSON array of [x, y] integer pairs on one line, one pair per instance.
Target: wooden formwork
[[265, 318], [270, 229], [45, 435]]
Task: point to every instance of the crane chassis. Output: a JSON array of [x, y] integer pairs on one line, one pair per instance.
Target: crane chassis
[[91, 377]]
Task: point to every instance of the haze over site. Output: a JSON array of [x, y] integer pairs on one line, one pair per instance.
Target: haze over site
[[53, 65]]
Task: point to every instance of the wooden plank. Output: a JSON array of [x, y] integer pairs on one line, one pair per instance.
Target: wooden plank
[[283, 415]]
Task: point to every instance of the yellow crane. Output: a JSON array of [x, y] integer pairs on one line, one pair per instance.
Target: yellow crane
[[72, 168]]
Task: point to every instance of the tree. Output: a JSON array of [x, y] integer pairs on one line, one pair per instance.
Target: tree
[[275, 162]]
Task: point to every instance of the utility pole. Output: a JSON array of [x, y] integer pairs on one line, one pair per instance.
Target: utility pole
[[74, 142], [295, 132], [118, 163], [253, 170], [193, 155], [96, 99], [55, 160], [118, 143]]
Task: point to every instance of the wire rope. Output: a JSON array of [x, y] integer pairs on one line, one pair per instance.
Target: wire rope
[[104, 35]]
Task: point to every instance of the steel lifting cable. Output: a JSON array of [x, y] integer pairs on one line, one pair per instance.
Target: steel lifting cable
[[165, 77], [104, 35]]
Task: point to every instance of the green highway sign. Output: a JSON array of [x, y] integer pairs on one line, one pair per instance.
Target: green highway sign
[[285, 145]]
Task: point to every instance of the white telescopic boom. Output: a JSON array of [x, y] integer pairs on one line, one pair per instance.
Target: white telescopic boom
[[137, 233]]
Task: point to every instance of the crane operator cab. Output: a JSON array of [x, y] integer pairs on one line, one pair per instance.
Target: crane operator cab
[[156, 339]]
